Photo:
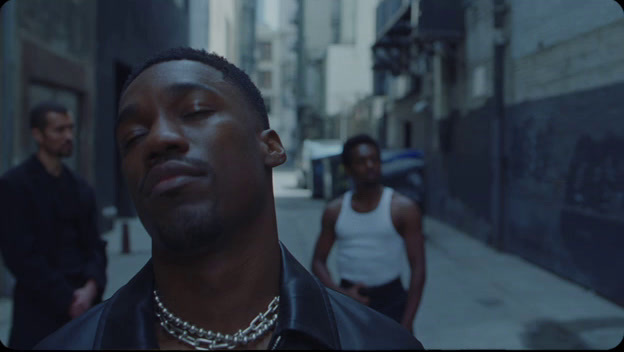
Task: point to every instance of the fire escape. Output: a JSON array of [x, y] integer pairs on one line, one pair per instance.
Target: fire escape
[[411, 37]]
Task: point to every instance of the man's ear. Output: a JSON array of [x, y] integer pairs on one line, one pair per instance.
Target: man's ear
[[37, 135], [272, 148]]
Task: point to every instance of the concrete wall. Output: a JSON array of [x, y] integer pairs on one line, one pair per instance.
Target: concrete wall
[[317, 29], [592, 59], [246, 10], [565, 193], [563, 196], [542, 24], [316, 36], [224, 30], [199, 24], [402, 116], [478, 54], [348, 76]]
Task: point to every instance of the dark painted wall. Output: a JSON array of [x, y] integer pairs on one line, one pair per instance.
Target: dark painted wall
[[127, 33], [458, 175], [563, 187], [565, 198]]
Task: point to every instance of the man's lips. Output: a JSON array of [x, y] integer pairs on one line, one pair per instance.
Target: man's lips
[[169, 175]]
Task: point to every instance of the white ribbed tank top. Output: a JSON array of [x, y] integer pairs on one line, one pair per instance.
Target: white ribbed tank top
[[370, 250]]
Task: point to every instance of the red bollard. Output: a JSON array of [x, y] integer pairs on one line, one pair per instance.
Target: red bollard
[[125, 239]]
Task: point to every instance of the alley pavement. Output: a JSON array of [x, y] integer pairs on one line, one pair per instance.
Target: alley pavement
[[475, 297]]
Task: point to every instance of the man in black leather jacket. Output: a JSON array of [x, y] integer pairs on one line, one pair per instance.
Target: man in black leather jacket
[[197, 154]]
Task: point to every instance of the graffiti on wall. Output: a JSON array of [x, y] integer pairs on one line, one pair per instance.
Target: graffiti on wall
[[532, 143], [592, 219], [596, 176]]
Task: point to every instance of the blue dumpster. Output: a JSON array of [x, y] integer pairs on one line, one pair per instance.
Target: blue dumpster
[[402, 169]]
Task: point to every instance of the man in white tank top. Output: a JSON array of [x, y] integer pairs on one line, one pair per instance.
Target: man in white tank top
[[372, 226]]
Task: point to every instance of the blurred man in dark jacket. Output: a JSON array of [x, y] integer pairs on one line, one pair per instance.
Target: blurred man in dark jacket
[[48, 234]]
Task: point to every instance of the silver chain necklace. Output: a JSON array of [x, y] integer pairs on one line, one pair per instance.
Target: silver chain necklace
[[208, 340]]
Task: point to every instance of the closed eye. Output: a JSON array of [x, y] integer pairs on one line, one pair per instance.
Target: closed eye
[[131, 139], [198, 114]]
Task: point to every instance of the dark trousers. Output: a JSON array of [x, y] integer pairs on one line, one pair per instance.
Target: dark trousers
[[389, 299]]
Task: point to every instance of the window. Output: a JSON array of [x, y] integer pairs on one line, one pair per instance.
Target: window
[[264, 79], [478, 82], [265, 50]]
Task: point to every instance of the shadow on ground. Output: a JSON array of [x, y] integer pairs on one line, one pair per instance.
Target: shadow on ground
[[546, 334]]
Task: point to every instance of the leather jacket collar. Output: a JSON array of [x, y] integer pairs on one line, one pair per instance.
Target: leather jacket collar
[[128, 320]]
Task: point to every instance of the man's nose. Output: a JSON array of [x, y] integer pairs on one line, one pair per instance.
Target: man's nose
[[165, 136], [69, 134]]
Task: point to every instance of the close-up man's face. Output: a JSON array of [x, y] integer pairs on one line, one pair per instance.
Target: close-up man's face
[[189, 152], [57, 138], [365, 164]]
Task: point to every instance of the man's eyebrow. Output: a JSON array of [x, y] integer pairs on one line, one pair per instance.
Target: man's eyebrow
[[125, 114], [176, 89], [180, 89]]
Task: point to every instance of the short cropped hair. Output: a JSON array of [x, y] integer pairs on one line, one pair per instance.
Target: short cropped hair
[[38, 114], [353, 142], [232, 74]]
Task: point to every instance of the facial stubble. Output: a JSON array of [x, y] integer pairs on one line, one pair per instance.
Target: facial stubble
[[188, 228]]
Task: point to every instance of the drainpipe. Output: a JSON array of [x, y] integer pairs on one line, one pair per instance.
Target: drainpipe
[[437, 95], [496, 239]]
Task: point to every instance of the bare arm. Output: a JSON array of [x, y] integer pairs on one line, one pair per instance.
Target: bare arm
[[411, 229], [324, 245], [321, 252]]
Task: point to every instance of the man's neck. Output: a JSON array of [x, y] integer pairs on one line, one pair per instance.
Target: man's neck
[[368, 192], [51, 163], [225, 290]]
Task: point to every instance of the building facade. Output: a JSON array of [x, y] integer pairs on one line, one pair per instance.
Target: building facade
[[516, 107], [226, 28], [348, 63], [275, 76], [315, 33]]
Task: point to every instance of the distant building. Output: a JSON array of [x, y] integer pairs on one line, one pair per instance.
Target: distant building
[[348, 77], [334, 69], [226, 28], [275, 75], [315, 33]]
